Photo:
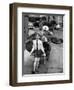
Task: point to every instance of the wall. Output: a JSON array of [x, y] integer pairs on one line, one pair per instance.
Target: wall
[[4, 46]]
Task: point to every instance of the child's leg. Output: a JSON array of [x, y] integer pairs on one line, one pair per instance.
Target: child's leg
[[34, 67], [38, 59], [36, 63]]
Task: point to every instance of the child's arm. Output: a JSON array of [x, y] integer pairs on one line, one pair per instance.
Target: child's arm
[[32, 50], [43, 49]]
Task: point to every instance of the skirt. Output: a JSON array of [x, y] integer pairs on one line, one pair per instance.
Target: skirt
[[37, 53]]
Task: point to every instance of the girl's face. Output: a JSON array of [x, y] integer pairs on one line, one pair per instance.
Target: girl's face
[[37, 36]]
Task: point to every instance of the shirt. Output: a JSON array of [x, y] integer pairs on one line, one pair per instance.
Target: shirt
[[39, 46]]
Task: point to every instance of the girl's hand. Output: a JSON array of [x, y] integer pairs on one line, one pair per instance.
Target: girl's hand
[[44, 54], [30, 54]]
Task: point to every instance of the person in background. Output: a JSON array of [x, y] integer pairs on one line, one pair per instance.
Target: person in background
[[52, 23]]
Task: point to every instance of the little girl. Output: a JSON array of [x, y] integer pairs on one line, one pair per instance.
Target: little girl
[[37, 51]]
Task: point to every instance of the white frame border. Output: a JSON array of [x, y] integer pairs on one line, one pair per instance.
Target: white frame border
[[42, 77]]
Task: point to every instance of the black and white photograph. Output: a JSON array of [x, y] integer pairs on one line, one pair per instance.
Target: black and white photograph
[[42, 43]]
